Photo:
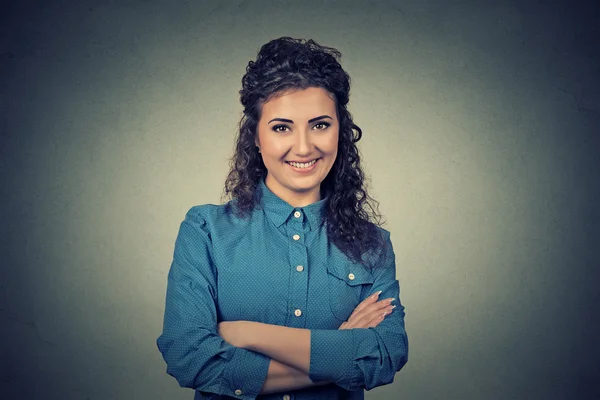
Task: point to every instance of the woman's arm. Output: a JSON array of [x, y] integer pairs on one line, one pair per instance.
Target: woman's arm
[[194, 352], [282, 377], [289, 348], [364, 357], [287, 345]]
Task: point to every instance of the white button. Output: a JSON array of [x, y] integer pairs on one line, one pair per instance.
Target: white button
[[238, 392], [351, 276], [299, 268], [296, 237], [286, 397], [297, 313], [297, 214]]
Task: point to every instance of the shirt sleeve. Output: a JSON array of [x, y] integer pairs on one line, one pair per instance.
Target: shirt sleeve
[[364, 358], [194, 352]]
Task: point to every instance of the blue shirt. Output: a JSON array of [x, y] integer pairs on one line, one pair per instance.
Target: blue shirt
[[276, 267]]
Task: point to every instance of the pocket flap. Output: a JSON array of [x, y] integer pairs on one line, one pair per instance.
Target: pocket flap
[[352, 274]]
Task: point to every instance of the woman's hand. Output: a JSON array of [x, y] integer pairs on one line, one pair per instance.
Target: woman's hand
[[369, 313]]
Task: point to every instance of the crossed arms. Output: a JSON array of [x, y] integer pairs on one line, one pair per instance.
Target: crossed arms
[[289, 348], [243, 358]]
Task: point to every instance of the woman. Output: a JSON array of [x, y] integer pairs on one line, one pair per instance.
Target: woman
[[287, 290]]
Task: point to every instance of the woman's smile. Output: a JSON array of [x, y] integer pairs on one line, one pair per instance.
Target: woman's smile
[[303, 167]]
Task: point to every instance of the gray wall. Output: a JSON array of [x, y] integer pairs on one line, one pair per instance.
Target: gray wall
[[480, 124]]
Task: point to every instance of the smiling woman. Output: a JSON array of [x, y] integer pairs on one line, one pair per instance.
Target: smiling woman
[[289, 289], [299, 150]]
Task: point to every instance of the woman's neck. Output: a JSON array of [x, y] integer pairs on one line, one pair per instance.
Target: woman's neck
[[292, 197]]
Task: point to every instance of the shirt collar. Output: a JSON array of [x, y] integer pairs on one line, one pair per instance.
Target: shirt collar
[[279, 210]]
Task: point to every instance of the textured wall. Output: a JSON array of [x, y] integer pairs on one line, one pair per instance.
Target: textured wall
[[480, 121]]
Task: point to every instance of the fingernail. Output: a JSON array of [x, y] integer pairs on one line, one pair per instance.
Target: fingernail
[[376, 293], [391, 299], [393, 306]]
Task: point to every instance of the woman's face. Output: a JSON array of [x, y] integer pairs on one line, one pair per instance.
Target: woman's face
[[298, 140]]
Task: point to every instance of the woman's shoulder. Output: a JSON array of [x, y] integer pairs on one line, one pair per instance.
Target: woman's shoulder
[[209, 212], [382, 251], [383, 232], [383, 236], [214, 216]]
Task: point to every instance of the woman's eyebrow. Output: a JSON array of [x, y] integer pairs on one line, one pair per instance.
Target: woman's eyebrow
[[317, 118], [289, 121], [282, 120]]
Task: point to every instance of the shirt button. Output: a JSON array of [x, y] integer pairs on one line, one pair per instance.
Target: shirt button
[[351, 276], [297, 313], [296, 237], [299, 268], [238, 392], [297, 214], [286, 397]]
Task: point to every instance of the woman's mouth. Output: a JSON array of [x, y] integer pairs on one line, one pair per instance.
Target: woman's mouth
[[303, 167]]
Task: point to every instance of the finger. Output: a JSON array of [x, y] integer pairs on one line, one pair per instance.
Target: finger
[[380, 305], [366, 302], [372, 299], [367, 311], [376, 313], [347, 325], [380, 316], [360, 318], [375, 321], [371, 320]]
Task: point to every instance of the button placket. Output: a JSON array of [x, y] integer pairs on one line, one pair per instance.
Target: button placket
[[299, 278]]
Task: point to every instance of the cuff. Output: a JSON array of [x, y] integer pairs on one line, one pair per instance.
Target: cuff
[[331, 354], [245, 374]]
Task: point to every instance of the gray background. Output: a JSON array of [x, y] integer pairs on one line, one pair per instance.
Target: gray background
[[480, 128]]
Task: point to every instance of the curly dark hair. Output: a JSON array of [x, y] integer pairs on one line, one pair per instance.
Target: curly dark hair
[[282, 64]]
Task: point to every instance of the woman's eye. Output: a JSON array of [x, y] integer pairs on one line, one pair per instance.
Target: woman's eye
[[321, 125], [280, 128]]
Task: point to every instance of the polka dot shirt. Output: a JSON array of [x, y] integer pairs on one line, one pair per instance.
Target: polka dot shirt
[[275, 267]]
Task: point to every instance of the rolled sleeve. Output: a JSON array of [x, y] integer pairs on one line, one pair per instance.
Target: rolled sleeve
[[245, 374], [194, 352], [365, 358], [331, 355]]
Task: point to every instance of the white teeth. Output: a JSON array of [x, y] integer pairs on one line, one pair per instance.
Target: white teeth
[[302, 165]]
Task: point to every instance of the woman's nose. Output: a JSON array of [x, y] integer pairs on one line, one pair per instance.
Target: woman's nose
[[303, 145]]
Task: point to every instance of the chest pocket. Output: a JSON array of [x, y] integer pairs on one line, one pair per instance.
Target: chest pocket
[[347, 283]]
